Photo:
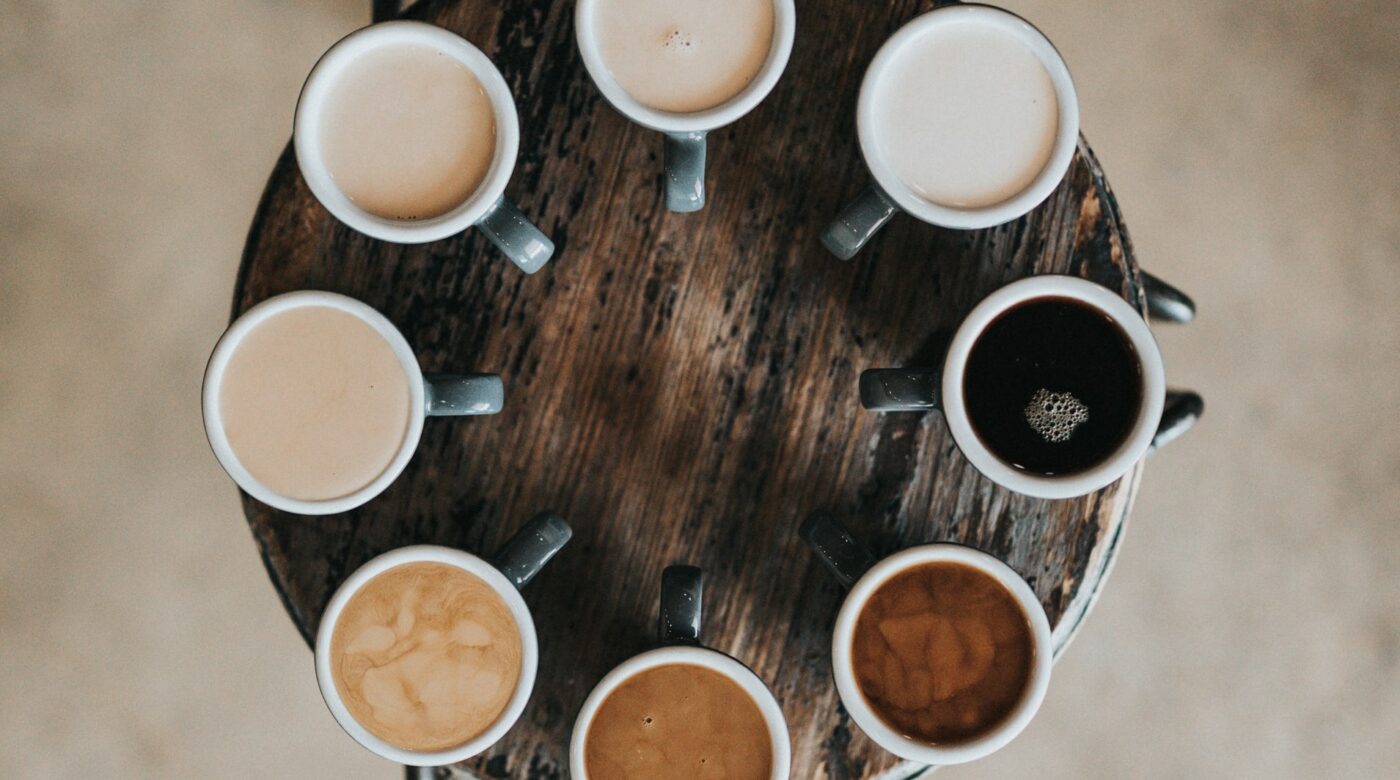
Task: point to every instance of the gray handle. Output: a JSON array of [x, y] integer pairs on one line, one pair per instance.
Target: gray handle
[[515, 235], [900, 389], [419, 773], [682, 589], [1166, 303], [856, 223], [834, 545], [521, 558], [1181, 411], [685, 171], [454, 395]]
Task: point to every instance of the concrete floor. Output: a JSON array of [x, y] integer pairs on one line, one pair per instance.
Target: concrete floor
[[1252, 624]]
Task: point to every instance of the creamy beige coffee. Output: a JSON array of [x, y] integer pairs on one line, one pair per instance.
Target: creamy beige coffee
[[678, 721], [966, 114], [684, 56], [426, 656], [314, 403], [407, 132]]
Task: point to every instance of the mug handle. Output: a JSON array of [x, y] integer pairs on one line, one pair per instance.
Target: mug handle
[[900, 389], [848, 559], [453, 395], [682, 589], [858, 222], [685, 171], [512, 233], [1166, 303], [522, 557]]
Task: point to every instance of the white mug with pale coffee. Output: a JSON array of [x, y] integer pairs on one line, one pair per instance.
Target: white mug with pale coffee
[[408, 133], [685, 68], [680, 710], [967, 118], [427, 655], [314, 402], [941, 653]]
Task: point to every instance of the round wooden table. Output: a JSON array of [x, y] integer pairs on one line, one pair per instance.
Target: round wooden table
[[682, 387]]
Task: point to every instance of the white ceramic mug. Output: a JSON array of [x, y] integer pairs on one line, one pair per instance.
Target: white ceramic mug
[[432, 395], [679, 634], [860, 220], [685, 132], [486, 208], [920, 389], [519, 560], [857, 570]]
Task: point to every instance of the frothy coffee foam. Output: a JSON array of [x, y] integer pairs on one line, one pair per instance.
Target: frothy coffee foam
[[684, 56], [678, 721], [426, 656]]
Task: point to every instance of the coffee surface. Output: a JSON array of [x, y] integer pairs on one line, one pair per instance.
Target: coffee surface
[[942, 652], [407, 132], [683, 56], [966, 115], [426, 656], [678, 721], [314, 403], [1053, 386]]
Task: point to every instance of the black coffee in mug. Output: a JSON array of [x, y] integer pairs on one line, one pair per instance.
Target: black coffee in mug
[[1053, 386]]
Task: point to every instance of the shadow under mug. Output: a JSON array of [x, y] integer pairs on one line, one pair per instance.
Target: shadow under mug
[[517, 562], [685, 133], [486, 208], [858, 571], [430, 395], [678, 639], [1161, 416], [864, 216]]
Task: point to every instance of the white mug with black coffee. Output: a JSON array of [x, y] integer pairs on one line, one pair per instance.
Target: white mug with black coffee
[[408, 133], [967, 118], [1052, 386]]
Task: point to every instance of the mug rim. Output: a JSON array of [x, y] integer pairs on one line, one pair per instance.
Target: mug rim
[[780, 49], [695, 655], [306, 139], [472, 564], [1132, 325], [872, 724], [228, 344], [1066, 133]]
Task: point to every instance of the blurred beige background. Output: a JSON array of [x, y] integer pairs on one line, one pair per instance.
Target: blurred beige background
[[1252, 624]]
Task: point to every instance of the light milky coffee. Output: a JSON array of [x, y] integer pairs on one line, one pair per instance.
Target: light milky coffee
[[407, 132], [684, 56], [967, 114], [426, 656], [314, 403], [678, 721]]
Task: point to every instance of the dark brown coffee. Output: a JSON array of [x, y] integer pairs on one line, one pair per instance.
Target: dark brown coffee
[[1053, 386], [942, 653]]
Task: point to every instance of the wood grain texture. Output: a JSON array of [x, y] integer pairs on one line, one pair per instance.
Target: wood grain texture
[[682, 388]]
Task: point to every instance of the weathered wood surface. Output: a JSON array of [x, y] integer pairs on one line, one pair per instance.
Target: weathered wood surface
[[683, 387]]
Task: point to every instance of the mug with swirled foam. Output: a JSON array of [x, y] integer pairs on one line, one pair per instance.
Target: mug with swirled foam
[[685, 68], [427, 655]]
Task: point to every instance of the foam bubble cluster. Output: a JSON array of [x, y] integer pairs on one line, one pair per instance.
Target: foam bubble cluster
[[678, 41], [1055, 416]]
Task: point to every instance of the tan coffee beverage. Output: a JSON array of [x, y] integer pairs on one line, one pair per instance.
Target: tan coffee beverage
[[684, 56], [315, 403], [967, 114], [407, 132], [678, 721], [942, 652], [426, 656]]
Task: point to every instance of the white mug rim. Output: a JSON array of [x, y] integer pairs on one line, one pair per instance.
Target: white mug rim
[[214, 374], [784, 31], [871, 723], [306, 137], [695, 655], [1128, 320], [1056, 165], [472, 564]]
